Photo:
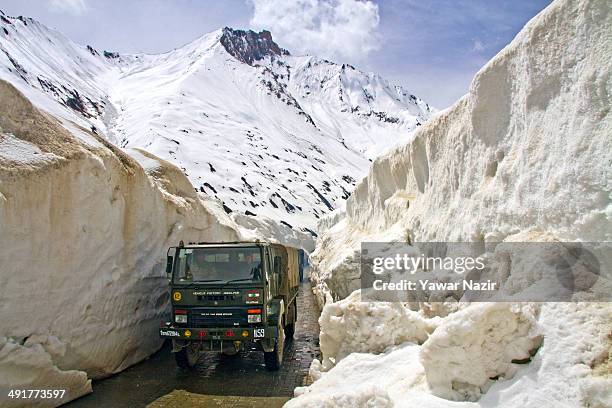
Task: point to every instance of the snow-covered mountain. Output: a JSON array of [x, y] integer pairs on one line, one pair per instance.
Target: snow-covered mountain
[[265, 132]]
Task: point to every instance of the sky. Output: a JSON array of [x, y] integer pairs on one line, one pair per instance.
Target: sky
[[432, 48]]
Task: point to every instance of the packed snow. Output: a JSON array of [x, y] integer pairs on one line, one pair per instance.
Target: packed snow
[[524, 157]]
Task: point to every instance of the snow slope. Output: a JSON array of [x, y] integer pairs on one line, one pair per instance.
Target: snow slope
[[266, 132], [525, 156]]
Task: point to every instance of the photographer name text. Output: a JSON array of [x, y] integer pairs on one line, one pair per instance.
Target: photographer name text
[[425, 284]]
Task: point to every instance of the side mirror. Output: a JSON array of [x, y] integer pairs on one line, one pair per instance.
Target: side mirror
[[169, 263]]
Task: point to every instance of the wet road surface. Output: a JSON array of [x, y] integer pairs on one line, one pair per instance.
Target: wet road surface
[[242, 375], [182, 399]]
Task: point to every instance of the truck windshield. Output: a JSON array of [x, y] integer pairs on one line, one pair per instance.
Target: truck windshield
[[218, 265]]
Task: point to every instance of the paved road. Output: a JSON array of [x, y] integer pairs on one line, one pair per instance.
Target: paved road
[[182, 399], [243, 375]]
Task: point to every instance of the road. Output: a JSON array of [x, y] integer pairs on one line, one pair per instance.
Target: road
[[241, 378]]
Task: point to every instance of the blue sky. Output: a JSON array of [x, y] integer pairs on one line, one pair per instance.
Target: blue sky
[[432, 48]]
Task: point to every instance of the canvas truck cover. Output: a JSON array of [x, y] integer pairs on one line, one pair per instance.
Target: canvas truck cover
[[293, 267], [290, 267]]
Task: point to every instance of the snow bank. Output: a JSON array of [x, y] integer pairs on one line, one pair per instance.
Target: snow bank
[[524, 156], [335, 270], [528, 149], [83, 235]]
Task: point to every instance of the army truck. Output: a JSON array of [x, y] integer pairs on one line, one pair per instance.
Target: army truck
[[228, 297]]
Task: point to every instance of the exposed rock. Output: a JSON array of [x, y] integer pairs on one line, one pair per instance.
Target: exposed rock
[[250, 46]]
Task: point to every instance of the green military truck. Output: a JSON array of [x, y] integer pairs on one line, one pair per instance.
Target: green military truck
[[228, 297]]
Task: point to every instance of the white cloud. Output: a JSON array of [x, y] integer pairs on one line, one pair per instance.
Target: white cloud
[[76, 7], [331, 28], [478, 46]]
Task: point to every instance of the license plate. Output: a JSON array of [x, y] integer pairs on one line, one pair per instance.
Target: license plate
[[259, 333]]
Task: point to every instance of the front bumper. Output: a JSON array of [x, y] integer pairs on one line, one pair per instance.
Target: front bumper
[[243, 334]]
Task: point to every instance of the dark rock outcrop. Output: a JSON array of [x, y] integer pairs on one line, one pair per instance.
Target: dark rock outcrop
[[249, 46]]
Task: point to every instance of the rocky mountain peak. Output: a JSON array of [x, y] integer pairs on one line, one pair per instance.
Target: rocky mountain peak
[[249, 46]]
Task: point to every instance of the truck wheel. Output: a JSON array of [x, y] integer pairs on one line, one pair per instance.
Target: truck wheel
[[290, 328], [274, 358], [187, 357]]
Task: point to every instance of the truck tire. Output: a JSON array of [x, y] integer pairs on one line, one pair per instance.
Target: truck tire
[[290, 328], [187, 357], [274, 358], [231, 353]]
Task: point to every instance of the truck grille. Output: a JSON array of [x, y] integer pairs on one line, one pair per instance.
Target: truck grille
[[217, 317]]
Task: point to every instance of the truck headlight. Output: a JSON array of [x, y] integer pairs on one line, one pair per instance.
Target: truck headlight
[[180, 318], [254, 318]]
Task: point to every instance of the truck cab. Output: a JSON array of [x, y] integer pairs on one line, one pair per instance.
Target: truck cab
[[228, 297]]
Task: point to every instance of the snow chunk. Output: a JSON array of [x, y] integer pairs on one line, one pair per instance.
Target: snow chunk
[[477, 344], [350, 326], [33, 366], [363, 380]]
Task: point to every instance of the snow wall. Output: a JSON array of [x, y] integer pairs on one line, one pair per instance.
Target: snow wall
[[83, 236], [524, 156]]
